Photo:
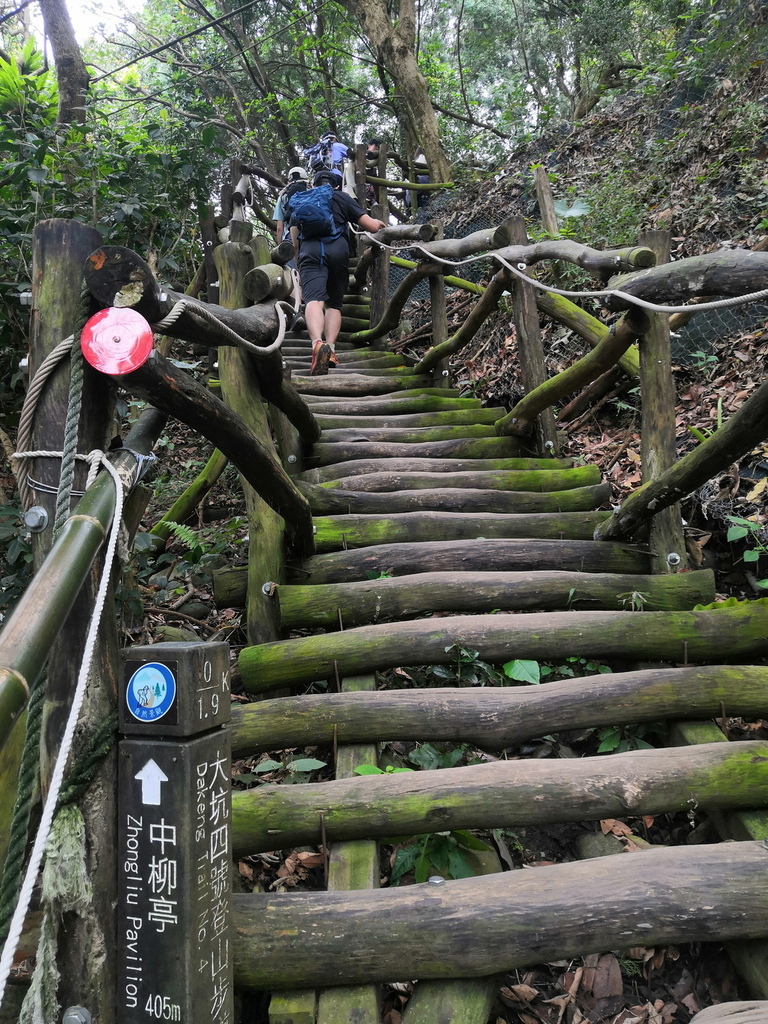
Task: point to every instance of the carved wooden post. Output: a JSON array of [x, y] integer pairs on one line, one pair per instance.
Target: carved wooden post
[[529, 348], [658, 450], [240, 390], [86, 960], [380, 268]]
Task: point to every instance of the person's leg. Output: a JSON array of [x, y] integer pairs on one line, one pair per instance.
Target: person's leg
[[314, 314], [332, 325]]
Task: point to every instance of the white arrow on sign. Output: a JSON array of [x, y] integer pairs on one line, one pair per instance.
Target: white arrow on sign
[[151, 778]]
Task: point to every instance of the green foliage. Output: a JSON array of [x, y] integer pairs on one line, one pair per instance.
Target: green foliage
[[755, 541], [615, 739], [15, 556], [441, 853], [634, 600], [372, 769], [288, 773]]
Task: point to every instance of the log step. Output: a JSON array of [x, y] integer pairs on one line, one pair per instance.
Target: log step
[[367, 602], [424, 419], [538, 480], [578, 499], [358, 467], [499, 718], [497, 554], [408, 435], [503, 794], [481, 926], [677, 636], [355, 384], [458, 448]]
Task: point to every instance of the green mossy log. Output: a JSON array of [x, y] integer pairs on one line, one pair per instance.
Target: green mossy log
[[424, 419], [408, 435], [479, 926], [459, 448], [392, 405], [268, 281], [358, 467], [497, 554], [496, 718], [356, 385], [522, 417], [502, 794], [588, 327], [538, 480], [692, 636], [579, 499], [332, 533], [407, 597]]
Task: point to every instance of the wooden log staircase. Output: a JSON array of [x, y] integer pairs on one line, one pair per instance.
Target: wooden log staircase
[[434, 534]]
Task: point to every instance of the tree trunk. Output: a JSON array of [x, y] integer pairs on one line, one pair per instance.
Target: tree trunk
[[71, 74], [394, 46]]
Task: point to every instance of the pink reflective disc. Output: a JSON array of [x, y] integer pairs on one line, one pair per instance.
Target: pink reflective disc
[[116, 340]]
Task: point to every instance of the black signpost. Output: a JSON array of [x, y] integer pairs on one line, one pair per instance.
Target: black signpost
[[174, 942]]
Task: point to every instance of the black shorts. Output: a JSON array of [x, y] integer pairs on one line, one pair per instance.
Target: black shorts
[[324, 271]]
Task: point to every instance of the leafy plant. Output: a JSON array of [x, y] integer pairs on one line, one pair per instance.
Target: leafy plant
[[752, 533], [635, 600], [615, 739], [294, 771], [523, 671], [16, 555], [373, 769], [443, 853]]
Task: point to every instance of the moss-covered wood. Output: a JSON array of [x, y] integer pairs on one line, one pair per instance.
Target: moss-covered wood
[[407, 597], [521, 418], [502, 794], [498, 718], [459, 448], [268, 281], [425, 419], [458, 248], [724, 272], [168, 388], [355, 531], [745, 429], [588, 327], [479, 926], [539, 480], [353, 865], [407, 403], [325, 502], [676, 636], [358, 467], [495, 554], [409, 435], [357, 385]]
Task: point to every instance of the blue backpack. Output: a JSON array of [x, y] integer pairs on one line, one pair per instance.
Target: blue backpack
[[312, 214]]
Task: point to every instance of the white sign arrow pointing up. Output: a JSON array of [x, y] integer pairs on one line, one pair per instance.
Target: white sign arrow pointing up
[[151, 778]]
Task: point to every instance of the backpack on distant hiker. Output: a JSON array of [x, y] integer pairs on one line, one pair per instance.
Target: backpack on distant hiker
[[319, 155], [312, 214]]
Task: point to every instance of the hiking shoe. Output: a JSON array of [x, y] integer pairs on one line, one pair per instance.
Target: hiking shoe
[[321, 358]]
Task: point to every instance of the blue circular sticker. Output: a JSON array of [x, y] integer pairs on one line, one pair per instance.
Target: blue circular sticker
[[150, 692]]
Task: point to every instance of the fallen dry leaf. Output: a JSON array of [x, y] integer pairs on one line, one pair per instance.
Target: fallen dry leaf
[[615, 827]]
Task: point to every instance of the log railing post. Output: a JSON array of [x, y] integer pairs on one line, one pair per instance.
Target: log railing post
[[439, 314], [658, 450], [241, 392], [529, 347]]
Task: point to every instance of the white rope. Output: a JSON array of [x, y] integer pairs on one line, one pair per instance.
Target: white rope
[[57, 778], [185, 305], [698, 307]]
